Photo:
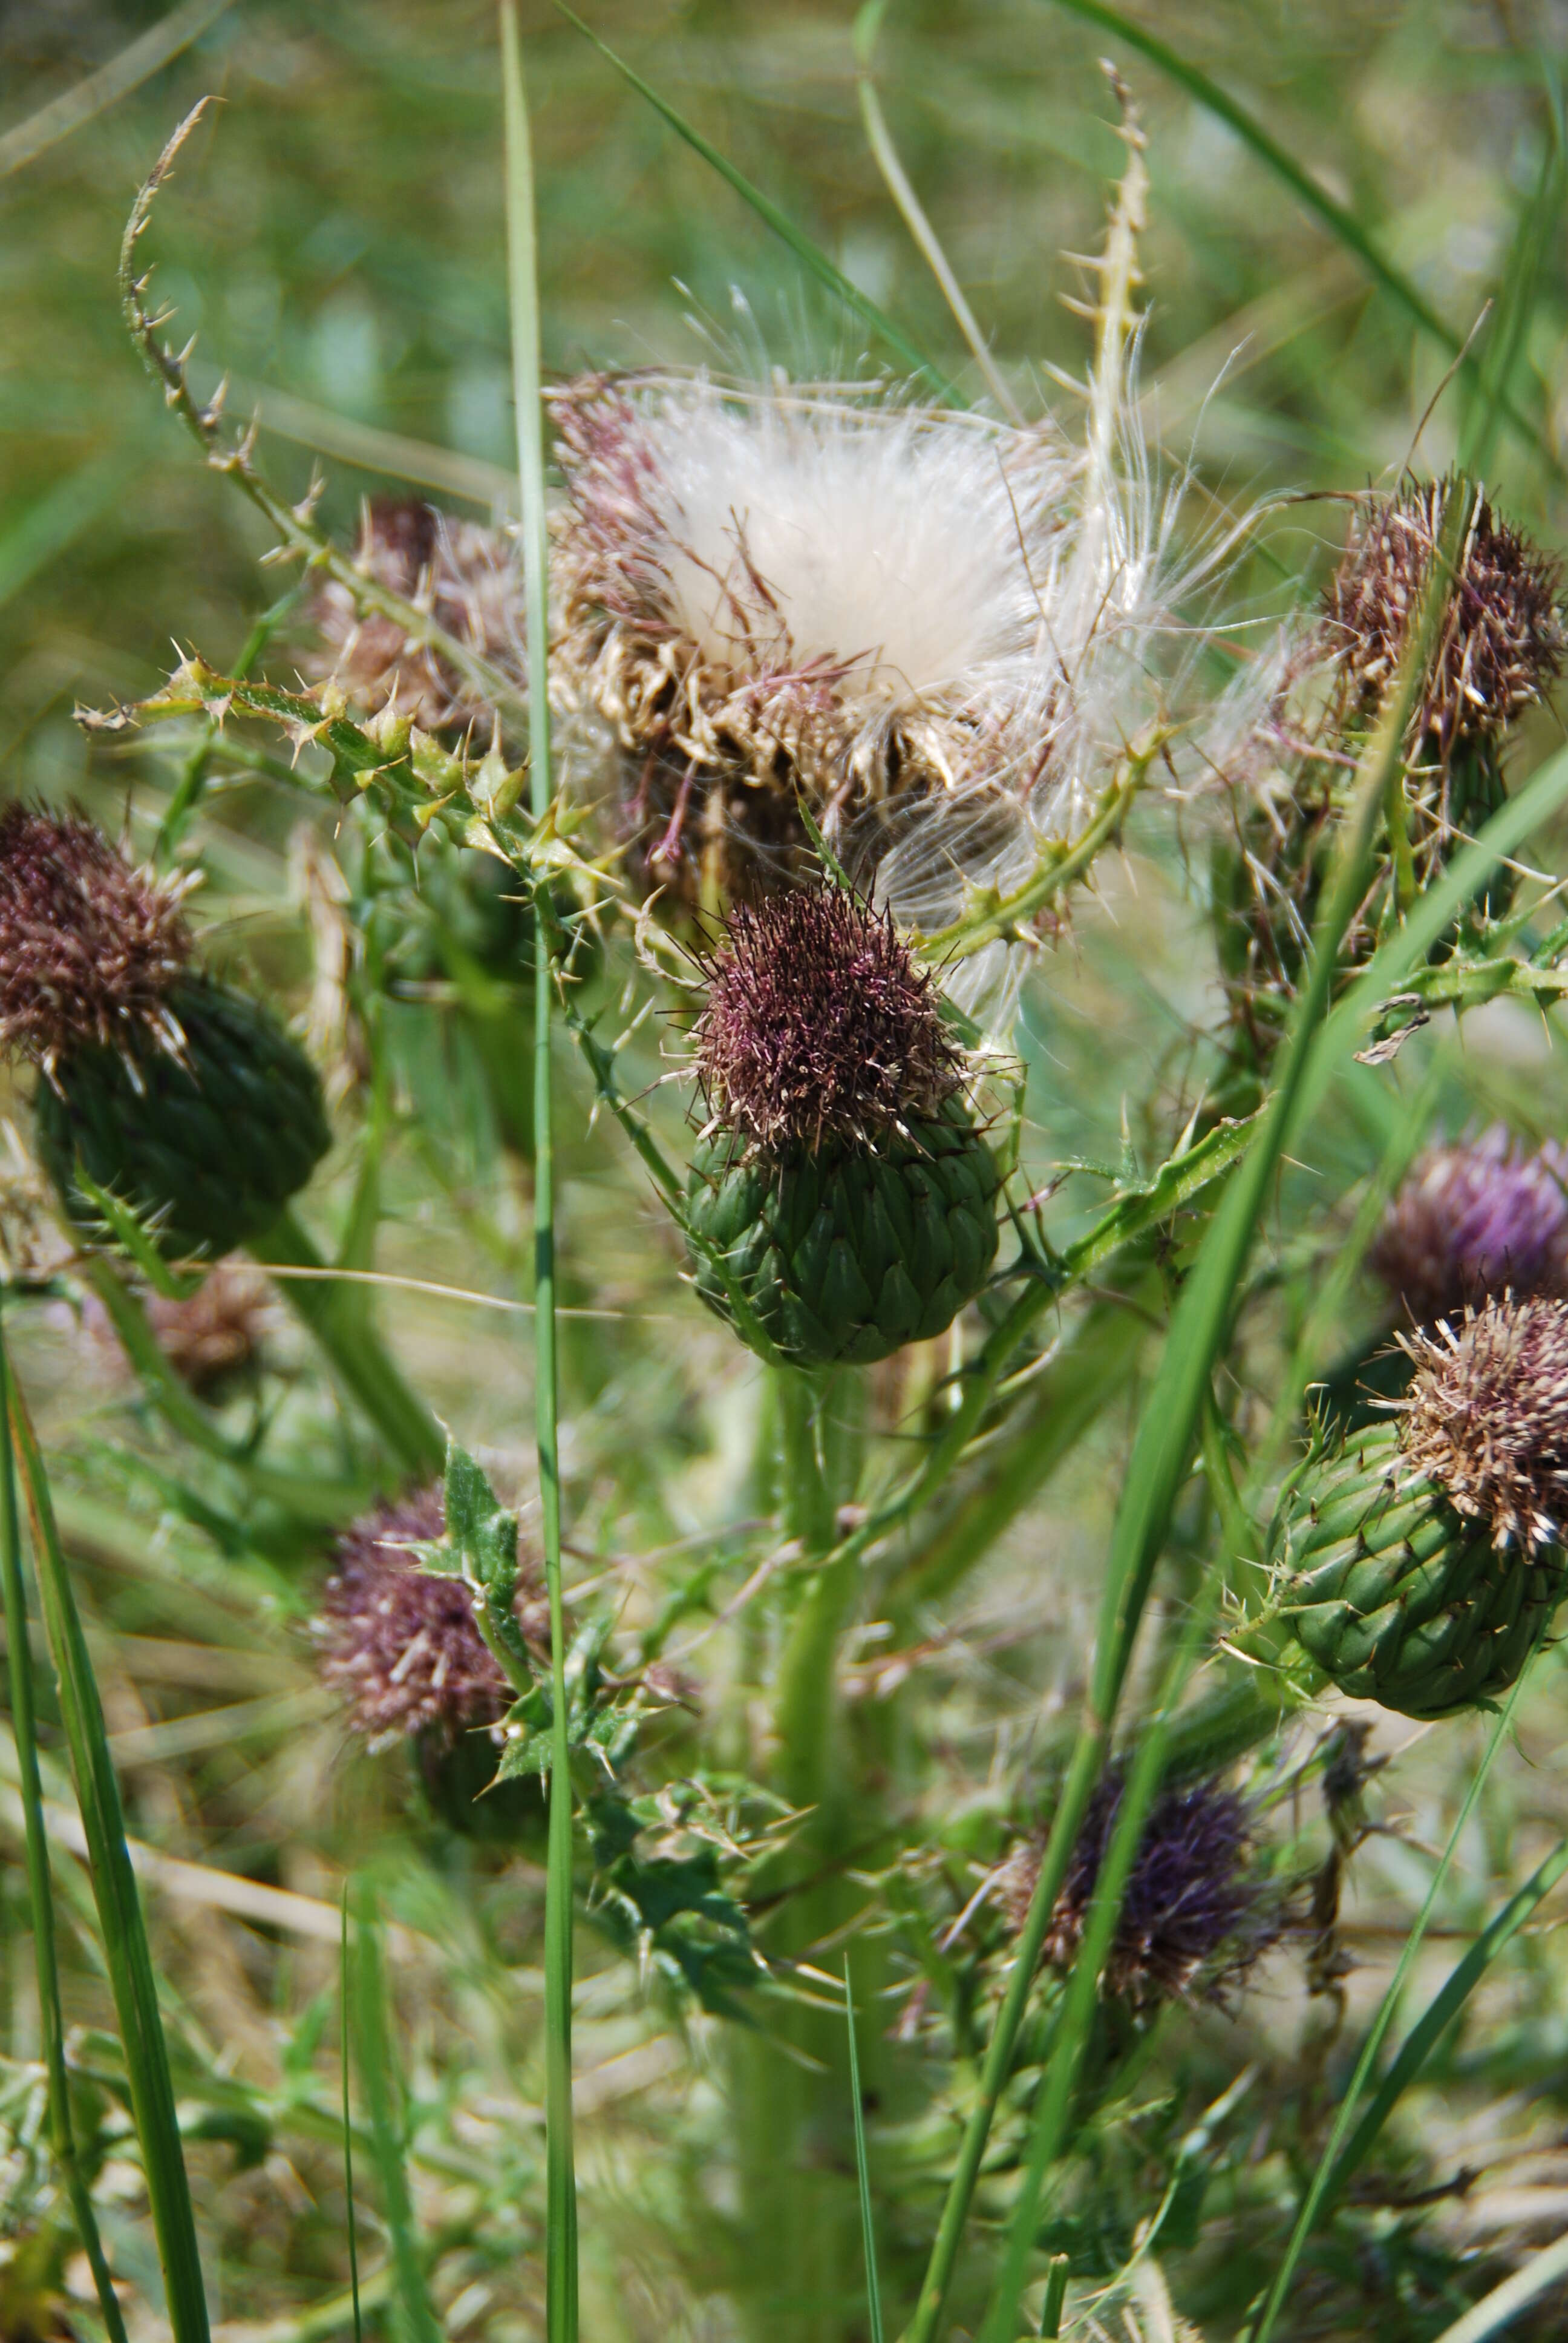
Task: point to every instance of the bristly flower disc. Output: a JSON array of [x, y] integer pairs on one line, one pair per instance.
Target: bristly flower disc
[[1473, 1222], [1486, 1419], [818, 1029], [1503, 641], [1195, 1900], [88, 947], [400, 1643]]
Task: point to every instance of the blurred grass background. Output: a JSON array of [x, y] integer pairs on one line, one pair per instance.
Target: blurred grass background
[[333, 238]]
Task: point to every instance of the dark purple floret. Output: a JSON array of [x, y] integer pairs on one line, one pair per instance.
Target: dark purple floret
[[1473, 1222], [818, 1027], [1194, 1899], [399, 1642], [88, 947]]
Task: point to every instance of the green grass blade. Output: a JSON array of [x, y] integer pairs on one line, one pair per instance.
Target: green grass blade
[[863, 2168], [809, 254], [1441, 2010], [126, 1950], [378, 2080], [1336, 216], [1498, 2309], [1317, 2194], [51, 2024], [157, 47], [1181, 1388], [1513, 310], [560, 2177], [345, 2030], [1055, 2294]]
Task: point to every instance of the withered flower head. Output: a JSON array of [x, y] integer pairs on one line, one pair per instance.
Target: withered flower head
[[216, 1332], [1503, 641], [400, 1643], [818, 1027], [1195, 1900], [1473, 1222], [1486, 1418], [88, 947], [465, 575]]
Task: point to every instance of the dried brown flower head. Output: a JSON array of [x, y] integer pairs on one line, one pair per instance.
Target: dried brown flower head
[[1503, 641], [399, 1642], [88, 947], [1486, 1418], [818, 1027], [1473, 1222], [216, 1332], [1194, 1900], [468, 579]]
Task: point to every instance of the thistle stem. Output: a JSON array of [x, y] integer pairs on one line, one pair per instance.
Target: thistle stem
[[560, 2183], [356, 1353]]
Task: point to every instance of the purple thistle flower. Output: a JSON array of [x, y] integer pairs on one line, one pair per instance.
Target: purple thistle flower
[[88, 947], [1473, 1222], [400, 1643], [1194, 1898], [818, 1026]]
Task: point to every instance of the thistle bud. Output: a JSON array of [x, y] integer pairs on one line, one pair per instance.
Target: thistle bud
[[840, 1179], [183, 1099], [399, 1645], [1473, 1222], [1421, 1560], [1197, 1911]]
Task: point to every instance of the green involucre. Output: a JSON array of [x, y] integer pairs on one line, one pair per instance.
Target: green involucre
[[845, 1255], [1397, 1596], [211, 1147]]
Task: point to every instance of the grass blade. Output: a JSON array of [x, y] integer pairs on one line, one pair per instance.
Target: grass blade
[[1442, 2008], [808, 253], [1317, 2194], [1512, 313], [863, 2169], [379, 2081], [1168, 1425], [346, 2039], [126, 1953], [1496, 2310], [1336, 216], [51, 2024], [158, 48], [560, 2178]]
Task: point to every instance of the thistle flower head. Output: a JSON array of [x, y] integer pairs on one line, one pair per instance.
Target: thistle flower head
[[906, 617], [88, 947], [1486, 1418], [466, 576], [400, 1643], [1475, 1221], [818, 1027], [1503, 641], [215, 1333], [1195, 1899]]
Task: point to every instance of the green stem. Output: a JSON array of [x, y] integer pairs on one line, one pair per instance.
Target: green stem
[[24, 1720], [379, 2082], [126, 1953], [560, 2181], [337, 1317]]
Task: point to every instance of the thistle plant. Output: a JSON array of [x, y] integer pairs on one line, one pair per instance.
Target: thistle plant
[[706, 944]]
